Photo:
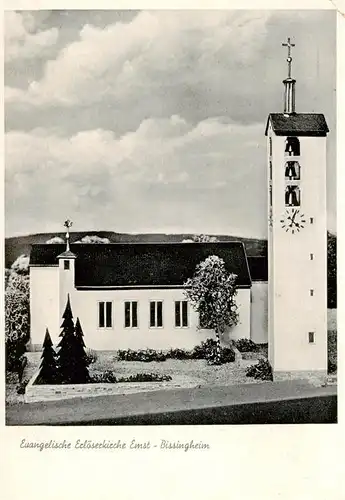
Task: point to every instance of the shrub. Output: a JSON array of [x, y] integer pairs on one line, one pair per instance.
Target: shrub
[[91, 356], [261, 370], [145, 377], [145, 355], [22, 386], [17, 319], [331, 367], [179, 354], [246, 345], [208, 350], [227, 355], [107, 377], [21, 265]]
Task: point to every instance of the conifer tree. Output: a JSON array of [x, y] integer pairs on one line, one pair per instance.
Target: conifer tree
[[82, 370], [48, 373], [71, 355]]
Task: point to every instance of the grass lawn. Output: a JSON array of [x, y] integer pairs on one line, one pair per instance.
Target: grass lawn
[[186, 370], [206, 375]]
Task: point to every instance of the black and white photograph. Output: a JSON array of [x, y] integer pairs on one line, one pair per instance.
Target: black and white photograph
[[170, 218]]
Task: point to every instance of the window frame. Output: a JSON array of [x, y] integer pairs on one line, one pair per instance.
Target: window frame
[[298, 187], [311, 337], [99, 302], [130, 301], [181, 314], [155, 326], [66, 265], [294, 140], [297, 178]]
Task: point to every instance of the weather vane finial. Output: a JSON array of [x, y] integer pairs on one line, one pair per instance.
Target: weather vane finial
[[289, 58], [67, 224]]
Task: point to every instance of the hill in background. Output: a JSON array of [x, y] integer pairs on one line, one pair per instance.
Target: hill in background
[[19, 245]]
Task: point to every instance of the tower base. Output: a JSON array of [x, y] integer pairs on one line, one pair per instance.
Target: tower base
[[314, 376]]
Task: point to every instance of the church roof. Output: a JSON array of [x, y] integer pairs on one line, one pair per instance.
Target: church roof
[[300, 124], [258, 267], [143, 264], [67, 255]]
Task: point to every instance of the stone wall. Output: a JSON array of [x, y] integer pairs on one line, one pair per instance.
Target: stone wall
[[36, 393], [318, 377]]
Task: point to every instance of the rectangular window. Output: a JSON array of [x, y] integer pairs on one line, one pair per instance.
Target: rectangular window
[[270, 146], [311, 336], [311, 256], [181, 314], [311, 220], [156, 314], [292, 196], [270, 170], [108, 314], [270, 195], [131, 314], [311, 292], [66, 265], [105, 314]]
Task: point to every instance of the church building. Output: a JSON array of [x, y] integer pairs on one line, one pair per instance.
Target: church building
[[131, 295]]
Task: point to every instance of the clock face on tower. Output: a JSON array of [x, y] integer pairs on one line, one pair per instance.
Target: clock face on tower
[[293, 220]]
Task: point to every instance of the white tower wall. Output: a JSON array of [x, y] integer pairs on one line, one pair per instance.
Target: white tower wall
[[298, 265]]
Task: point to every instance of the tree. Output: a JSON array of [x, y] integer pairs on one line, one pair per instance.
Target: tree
[[93, 239], [212, 293], [204, 238], [48, 373], [83, 372], [332, 270], [7, 276], [17, 320], [70, 359], [55, 240], [21, 265]]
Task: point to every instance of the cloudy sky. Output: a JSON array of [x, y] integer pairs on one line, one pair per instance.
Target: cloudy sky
[[154, 120]]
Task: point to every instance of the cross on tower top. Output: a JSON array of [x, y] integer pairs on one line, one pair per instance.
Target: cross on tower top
[[289, 58]]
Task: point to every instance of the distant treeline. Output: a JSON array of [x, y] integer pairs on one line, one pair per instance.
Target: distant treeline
[[254, 247], [22, 244]]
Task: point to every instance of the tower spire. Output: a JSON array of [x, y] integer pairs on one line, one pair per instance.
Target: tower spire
[[289, 83], [68, 224]]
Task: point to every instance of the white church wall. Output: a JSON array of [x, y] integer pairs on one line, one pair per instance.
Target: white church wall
[[85, 305], [44, 304], [259, 312]]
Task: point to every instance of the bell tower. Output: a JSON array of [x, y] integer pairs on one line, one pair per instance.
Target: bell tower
[[297, 239]]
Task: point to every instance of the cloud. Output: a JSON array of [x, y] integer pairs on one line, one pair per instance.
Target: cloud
[[22, 38], [165, 173], [154, 52], [154, 120]]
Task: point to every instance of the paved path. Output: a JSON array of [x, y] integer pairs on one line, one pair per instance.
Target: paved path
[[107, 409]]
